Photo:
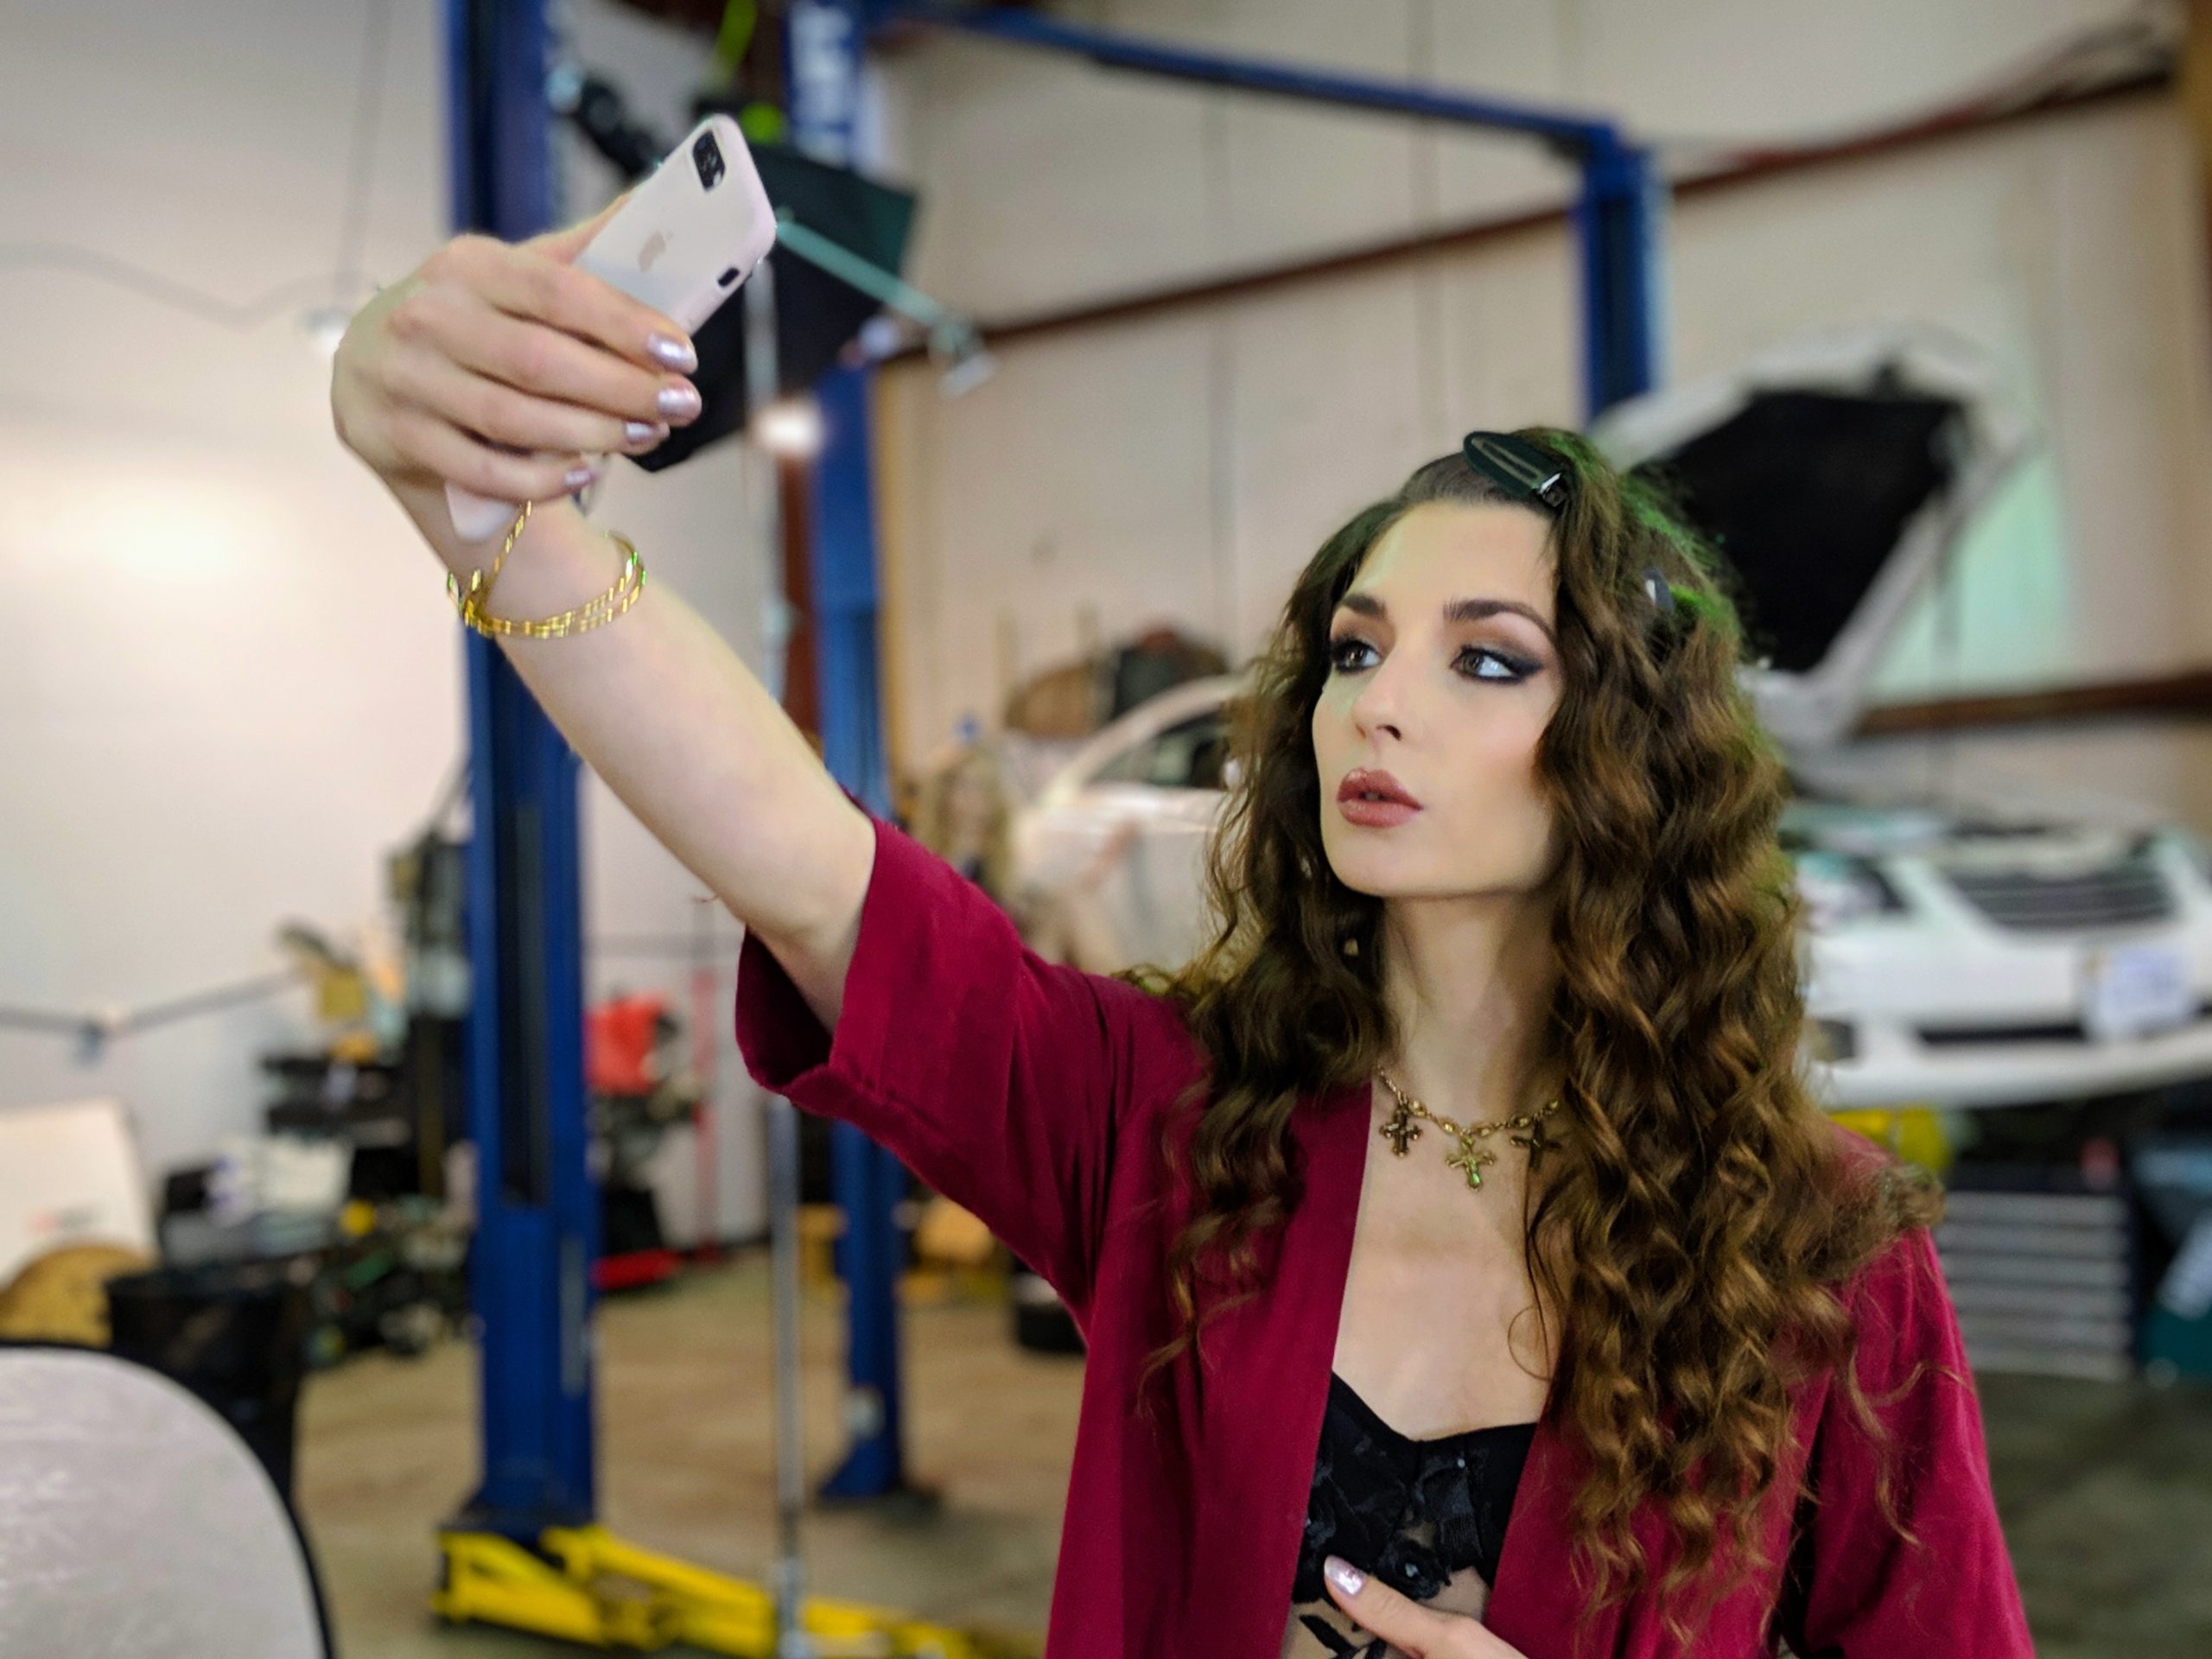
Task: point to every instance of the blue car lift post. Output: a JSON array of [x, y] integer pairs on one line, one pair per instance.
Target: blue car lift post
[[526, 1550], [538, 1214]]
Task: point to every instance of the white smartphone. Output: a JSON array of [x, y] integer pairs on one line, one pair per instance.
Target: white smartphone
[[685, 241]]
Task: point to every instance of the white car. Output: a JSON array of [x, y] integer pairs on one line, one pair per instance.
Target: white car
[[1956, 956]]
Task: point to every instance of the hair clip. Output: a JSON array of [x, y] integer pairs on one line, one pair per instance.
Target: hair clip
[[1658, 590], [1519, 465]]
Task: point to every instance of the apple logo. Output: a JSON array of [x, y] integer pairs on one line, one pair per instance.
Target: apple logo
[[656, 246]]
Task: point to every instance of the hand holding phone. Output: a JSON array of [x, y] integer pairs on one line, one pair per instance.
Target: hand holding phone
[[682, 242]]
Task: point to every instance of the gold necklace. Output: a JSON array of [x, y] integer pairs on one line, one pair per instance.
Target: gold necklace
[[1526, 1132]]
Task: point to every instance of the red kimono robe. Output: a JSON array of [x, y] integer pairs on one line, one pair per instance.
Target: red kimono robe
[[1035, 1096]]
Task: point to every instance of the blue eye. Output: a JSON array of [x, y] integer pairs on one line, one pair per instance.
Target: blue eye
[[1340, 647], [1494, 665], [1345, 656]]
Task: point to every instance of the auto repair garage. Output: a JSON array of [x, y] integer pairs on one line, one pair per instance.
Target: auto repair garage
[[1407, 847]]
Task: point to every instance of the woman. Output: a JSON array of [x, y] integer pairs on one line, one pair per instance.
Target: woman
[[1467, 1177]]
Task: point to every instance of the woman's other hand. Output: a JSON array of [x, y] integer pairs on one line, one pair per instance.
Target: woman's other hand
[[502, 368], [1411, 1629]]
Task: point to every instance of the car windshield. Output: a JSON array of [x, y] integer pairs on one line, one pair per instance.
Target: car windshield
[[1189, 755]]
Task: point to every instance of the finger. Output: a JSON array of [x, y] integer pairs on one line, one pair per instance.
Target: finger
[[490, 409], [440, 447], [565, 244], [1409, 1627], [541, 361], [524, 283]]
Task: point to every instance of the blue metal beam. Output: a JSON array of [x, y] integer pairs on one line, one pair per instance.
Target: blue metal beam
[[1617, 216], [1566, 128], [537, 1209]]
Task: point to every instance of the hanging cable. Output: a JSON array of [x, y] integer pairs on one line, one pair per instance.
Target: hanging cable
[[347, 277]]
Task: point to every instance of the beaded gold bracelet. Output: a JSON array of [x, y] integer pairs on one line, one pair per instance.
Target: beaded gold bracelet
[[592, 612]]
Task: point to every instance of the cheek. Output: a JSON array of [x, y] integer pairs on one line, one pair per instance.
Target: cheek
[[1503, 749], [1330, 722], [1504, 803]]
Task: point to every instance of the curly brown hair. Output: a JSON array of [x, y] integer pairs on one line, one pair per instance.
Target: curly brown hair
[[1704, 1211]]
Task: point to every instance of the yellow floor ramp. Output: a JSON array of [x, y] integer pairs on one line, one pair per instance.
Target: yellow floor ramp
[[586, 1585]]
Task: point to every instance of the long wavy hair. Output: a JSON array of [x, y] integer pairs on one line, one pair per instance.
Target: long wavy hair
[[1703, 1212]]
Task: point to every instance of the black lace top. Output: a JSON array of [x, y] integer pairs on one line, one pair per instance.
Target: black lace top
[[1417, 1515]]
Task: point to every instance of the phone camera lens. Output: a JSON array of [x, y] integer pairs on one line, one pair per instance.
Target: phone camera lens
[[707, 156]]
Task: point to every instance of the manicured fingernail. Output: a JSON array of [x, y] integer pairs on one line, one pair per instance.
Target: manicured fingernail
[[674, 353], [679, 402], [1346, 1576], [576, 477], [643, 431]]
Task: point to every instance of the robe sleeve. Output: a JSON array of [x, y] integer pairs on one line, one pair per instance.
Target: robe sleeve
[[997, 1078], [1862, 1590]]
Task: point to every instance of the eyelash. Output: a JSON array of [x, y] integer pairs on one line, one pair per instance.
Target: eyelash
[[1517, 669]]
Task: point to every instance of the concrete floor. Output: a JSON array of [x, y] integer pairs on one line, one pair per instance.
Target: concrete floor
[[2105, 1491], [388, 1448]]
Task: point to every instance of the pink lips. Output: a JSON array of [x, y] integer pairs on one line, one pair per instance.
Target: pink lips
[[1374, 799]]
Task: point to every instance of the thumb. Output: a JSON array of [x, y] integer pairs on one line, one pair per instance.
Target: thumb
[[564, 245], [1404, 1623]]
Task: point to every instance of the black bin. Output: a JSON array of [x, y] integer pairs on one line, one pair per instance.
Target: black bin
[[235, 1333]]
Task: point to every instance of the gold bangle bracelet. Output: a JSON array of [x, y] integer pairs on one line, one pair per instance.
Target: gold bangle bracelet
[[593, 612]]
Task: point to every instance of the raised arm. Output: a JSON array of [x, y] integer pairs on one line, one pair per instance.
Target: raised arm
[[488, 344]]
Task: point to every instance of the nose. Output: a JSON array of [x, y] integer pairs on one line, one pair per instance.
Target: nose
[[1376, 708]]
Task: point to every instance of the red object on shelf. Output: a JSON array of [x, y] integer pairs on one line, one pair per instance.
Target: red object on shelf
[[620, 1036]]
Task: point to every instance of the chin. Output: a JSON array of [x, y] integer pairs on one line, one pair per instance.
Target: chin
[[1370, 864], [1378, 871]]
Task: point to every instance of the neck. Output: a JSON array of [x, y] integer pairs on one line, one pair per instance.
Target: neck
[[1469, 981]]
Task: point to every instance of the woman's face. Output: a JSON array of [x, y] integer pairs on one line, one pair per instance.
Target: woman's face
[[1443, 675]]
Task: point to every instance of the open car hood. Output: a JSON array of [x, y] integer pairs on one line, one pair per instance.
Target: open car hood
[[1834, 474]]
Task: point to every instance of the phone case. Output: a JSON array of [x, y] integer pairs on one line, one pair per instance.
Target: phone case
[[680, 244]]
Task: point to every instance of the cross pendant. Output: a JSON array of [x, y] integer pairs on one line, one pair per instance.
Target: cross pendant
[[1537, 1143], [1401, 1131], [1471, 1159]]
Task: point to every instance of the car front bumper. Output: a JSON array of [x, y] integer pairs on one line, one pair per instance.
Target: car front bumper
[[1894, 1066]]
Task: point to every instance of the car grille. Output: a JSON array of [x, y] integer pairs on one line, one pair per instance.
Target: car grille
[[2127, 892]]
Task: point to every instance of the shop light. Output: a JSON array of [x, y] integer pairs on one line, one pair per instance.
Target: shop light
[[790, 428]]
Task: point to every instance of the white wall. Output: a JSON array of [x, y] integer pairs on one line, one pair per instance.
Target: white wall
[[232, 679], [1184, 464]]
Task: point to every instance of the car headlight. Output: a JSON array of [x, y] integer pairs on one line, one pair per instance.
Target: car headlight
[[1839, 890]]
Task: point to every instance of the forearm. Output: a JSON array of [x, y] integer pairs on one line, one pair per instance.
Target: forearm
[[662, 708]]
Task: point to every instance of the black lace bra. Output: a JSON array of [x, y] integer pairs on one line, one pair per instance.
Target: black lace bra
[[1410, 1513]]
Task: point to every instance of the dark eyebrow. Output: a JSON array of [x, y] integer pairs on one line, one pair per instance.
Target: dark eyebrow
[[1459, 610]]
